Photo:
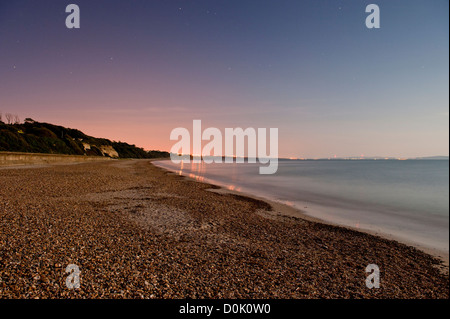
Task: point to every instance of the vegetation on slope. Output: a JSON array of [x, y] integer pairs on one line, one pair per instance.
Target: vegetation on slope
[[36, 137]]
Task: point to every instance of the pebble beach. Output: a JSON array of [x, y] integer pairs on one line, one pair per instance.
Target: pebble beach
[[139, 231]]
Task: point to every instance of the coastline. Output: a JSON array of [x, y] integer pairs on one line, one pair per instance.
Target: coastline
[[291, 211], [295, 212], [140, 231]]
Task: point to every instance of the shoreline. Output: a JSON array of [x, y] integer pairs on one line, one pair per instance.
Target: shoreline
[[292, 211], [140, 231]]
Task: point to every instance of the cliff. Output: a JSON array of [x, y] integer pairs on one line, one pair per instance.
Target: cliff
[[45, 138]]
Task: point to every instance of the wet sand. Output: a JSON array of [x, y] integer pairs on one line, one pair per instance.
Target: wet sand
[[138, 231]]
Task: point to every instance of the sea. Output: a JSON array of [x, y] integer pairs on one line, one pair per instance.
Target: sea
[[407, 200]]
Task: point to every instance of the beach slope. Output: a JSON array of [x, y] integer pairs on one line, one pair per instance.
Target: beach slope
[[138, 231]]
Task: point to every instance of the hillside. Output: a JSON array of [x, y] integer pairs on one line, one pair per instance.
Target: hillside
[[36, 137]]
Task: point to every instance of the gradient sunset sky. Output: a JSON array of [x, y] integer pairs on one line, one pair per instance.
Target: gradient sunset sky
[[137, 69]]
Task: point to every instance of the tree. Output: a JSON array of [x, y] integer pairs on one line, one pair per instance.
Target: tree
[[1, 120], [9, 118], [16, 119]]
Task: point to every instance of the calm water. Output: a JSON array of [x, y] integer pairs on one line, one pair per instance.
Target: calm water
[[406, 199]]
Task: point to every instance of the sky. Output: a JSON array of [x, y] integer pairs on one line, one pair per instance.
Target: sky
[[137, 69]]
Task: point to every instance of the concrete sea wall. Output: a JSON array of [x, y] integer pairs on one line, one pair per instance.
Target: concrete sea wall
[[12, 158]]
